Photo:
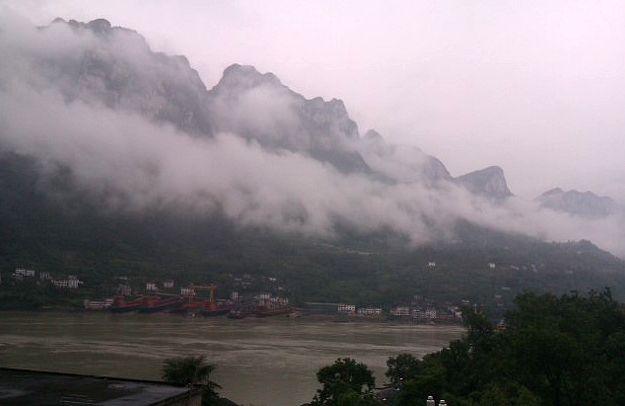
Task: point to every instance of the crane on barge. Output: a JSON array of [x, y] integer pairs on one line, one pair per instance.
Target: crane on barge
[[210, 308]]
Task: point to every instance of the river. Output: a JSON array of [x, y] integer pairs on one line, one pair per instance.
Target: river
[[270, 361]]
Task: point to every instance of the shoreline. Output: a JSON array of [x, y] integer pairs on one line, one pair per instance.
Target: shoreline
[[334, 318]]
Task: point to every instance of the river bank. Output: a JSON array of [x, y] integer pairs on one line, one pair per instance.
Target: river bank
[[297, 314]]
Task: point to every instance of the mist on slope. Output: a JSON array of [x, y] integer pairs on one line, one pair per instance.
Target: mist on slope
[[126, 145]]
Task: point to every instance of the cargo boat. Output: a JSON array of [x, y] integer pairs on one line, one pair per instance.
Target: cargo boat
[[214, 310], [153, 304], [120, 305], [191, 307], [207, 308]]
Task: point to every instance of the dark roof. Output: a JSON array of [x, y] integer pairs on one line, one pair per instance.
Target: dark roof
[[33, 388]]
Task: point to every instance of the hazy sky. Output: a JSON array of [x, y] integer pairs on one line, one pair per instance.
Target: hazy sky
[[535, 87]]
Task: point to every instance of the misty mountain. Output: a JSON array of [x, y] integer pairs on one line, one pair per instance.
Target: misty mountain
[[489, 182], [105, 119], [585, 204], [402, 164], [259, 107], [115, 66], [246, 102]]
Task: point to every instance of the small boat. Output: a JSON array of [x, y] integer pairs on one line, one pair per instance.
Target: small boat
[[237, 314], [295, 313], [277, 311]]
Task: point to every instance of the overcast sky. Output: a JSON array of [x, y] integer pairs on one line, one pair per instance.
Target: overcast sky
[[535, 87]]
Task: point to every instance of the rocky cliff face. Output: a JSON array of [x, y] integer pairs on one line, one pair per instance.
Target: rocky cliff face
[[489, 182], [259, 107], [585, 204], [115, 66], [402, 164]]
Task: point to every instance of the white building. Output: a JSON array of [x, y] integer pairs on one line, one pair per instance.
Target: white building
[[369, 311], [71, 282], [400, 311], [430, 313], [346, 308], [28, 273]]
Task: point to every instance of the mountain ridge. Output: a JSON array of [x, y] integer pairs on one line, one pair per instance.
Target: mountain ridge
[[236, 79], [257, 150], [583, 204]]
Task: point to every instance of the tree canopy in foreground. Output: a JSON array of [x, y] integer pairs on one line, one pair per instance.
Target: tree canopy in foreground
[[555, 351], [551, 351], [345, 383]]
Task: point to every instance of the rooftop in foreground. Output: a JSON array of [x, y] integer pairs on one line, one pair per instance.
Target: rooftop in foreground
[[32, 388]]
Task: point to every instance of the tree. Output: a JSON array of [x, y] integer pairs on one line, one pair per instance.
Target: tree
[[345, 383], [557, 351], [402, 368], [511, 394], [430, 380], [192, 371], [563, 348]]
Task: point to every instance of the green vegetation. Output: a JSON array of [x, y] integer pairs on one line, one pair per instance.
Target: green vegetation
[[345, 383], [192, 371], [554, 351]]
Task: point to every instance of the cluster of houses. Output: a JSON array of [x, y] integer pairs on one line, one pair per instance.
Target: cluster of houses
[[69, 282], [421, 309], [243, 282]]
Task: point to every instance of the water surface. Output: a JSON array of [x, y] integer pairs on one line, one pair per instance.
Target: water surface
[[269, 361]]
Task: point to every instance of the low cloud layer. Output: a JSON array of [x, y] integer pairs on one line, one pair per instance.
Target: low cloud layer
[[155, 164]]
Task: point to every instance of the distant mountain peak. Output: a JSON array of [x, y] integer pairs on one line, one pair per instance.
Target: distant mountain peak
[[118, 69], [100, 26], [554, 191], [488, 182], [259, 106], [403, 164], [372, 136], [582, 204], [245, 77]]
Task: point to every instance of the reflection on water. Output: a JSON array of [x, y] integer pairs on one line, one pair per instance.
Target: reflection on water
[[269, 361]]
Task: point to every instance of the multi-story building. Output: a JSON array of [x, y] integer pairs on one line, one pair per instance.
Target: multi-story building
[[400, 311], [369, 311], [346, 308], [24, 273]]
